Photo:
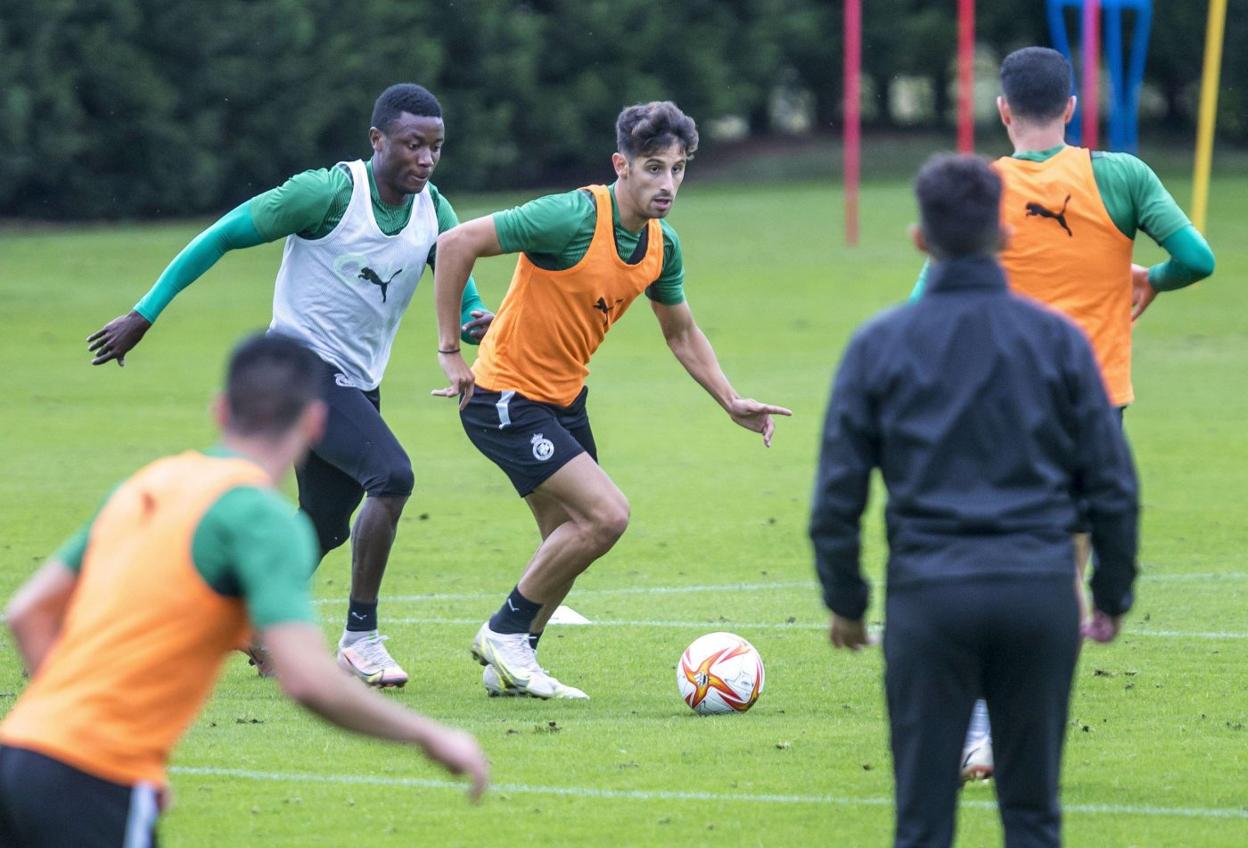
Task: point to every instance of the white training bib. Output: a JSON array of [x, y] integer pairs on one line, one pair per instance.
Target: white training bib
[[343, 295]]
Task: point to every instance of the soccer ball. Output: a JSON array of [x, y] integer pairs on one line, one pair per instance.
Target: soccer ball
[[720, 673]]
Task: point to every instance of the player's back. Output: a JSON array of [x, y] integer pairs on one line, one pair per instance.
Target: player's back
[[978, 402], [1065, 250], [144, 636]]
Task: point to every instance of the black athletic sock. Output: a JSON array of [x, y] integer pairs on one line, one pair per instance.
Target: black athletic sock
[[361, 616], [534, 638], [515, 615]]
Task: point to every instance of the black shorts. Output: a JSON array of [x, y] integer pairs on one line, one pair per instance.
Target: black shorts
[[530, 441], [45, 803], [358, 454]]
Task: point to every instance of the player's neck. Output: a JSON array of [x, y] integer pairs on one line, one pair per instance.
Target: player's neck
[[630, 218], [1032, 138], [272, 458]]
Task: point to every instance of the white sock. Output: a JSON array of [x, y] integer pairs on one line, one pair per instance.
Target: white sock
[[979, 727], [350, 637]]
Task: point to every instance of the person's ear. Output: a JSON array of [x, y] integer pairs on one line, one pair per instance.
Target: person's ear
[[312, 423], [375, 138], [1070, 109], [1004, 233], [1003, 109], [916, 236], [620, 162], [221, 411]]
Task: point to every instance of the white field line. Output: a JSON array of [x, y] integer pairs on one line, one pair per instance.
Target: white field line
[[584, 593], [747, 625], [732, 587], [668, 795]]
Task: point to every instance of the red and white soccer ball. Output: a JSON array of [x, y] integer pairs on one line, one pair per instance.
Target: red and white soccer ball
[[720, 673]]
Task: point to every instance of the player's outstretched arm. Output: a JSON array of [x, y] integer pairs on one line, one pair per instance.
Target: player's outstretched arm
[[458, 250], [118, 337], [36, 612], [691, 347], [309, 677]]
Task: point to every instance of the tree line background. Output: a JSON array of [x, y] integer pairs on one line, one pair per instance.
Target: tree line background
[[123, 108]]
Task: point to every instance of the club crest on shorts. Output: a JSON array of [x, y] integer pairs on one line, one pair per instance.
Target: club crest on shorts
[[543, 448]]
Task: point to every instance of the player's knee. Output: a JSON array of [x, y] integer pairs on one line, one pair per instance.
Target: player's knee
[[610, 521], [395, 482]]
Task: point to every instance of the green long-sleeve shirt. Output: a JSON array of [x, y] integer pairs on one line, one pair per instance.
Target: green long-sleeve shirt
[[309, 205]]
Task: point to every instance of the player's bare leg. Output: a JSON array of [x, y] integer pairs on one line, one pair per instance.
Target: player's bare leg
[[548, 514], [589, 514], [361, 651]]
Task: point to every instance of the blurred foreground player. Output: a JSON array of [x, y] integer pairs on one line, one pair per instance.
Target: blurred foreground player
[[125, 629], [988, 419]]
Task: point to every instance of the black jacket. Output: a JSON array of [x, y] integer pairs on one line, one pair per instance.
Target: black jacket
[[987, 417]]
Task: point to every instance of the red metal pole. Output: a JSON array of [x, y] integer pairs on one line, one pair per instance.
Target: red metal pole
[[1091, 71], [853, 128], [966, 76]]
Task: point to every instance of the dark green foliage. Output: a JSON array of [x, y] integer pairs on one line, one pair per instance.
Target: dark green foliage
[[116, 108]]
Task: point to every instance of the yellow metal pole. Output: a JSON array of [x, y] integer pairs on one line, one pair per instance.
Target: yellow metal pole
[[1208, 111]]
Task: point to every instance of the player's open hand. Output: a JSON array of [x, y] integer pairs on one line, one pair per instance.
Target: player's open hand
[[116, 338], [461, 754], [459, 375], [756, 416], [848, 633], [1142, 291], [479, 325]]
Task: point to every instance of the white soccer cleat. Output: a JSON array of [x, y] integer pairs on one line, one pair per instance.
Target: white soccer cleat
[[977, 760], [368, 659], [494, 685], [515, 665]]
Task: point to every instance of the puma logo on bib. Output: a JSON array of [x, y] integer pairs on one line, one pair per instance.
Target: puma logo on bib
[[543, 448]]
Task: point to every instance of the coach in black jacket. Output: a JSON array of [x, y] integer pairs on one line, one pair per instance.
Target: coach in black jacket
[[987, 418]]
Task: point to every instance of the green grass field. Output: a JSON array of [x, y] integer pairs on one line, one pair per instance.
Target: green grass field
[[1157, 752]]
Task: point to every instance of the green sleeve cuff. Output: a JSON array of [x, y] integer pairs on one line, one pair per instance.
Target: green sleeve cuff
[[1191, 260], [470, 301], [74, 549], [233, 230]]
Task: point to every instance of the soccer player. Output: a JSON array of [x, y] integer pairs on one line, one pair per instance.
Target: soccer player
[[1073, 215], [585, 256], [125, 629], [988, 419], [358, 237]]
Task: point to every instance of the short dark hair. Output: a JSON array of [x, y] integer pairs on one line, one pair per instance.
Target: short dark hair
[[649, 127], [404, 97], [959, 205], [1037, 82], [269, 383]]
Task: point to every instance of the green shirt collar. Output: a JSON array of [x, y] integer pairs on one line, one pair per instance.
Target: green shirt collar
[[372, 190], [220, 451], [1039, 155]]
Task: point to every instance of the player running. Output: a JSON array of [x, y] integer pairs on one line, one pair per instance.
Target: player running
[[125, 629], [358, 237], [1073, 215], [585, 256]]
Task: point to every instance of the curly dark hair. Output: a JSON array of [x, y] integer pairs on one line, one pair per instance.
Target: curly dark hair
[[647, 127]]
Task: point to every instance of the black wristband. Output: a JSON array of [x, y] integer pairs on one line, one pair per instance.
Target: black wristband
[[450, 350]]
